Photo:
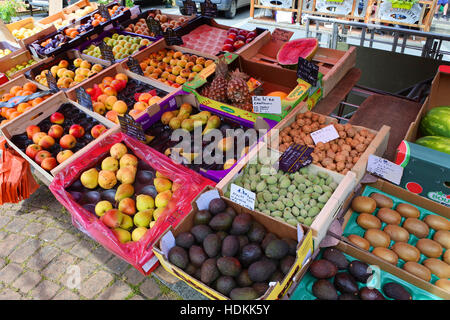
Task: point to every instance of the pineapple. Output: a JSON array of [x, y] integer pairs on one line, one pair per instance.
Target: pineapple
[[237, 91], [218, 88]]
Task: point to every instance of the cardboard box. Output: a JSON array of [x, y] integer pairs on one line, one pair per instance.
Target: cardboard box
[[427, 171], [377, 146], [276, 291], [325, 217], [425, 206], [34, 116], [17, 58], [333, 64], [417, 289]]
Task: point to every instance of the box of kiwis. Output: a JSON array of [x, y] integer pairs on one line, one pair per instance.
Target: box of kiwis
[[226, 251], [409, 232]]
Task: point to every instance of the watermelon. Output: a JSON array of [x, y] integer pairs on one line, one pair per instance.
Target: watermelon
[[438, 143], [289, 52], [436, 122]]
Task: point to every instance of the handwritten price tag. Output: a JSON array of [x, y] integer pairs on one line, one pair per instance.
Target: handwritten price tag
[[325, 134], [242, 196], [266, 104], [385, 169]]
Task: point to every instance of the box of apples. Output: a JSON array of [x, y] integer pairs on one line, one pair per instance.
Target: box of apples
[[54, 133]]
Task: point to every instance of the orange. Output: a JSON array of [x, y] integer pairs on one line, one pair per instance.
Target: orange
[[280, 94], [14, 90], [73, 34], [107, 80], [14, 114], [95, 23], [30, 87], [19, 93], [7, 96], [26, 92], [22, 106], [3, 112], [36, 101], [8, 113]]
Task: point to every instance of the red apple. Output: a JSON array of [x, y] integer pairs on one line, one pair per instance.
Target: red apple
[[249, 40], [63, 155], [38, 136], [31, 130], [76, 130], [228, 47], [229, 41], [49, 163], [251, 34], [240, 37], [243, 32], [232, 36], [32, 150], [56, 131], [238, 44], [57, 118], [41, 155], [68, 141], [47, 142], [97, 130], [233, 30]]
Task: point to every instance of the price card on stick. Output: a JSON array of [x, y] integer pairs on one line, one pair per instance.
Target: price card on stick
[[266, 104], [307, 71], [103, 11], [84, 98], [134, 66], [385, 169], [325, 134], [242, 196], [130, 127]]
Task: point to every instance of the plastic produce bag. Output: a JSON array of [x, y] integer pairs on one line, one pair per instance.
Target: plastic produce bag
[[139, 254]]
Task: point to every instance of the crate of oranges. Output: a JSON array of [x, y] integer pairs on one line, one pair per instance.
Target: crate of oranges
[[18, 96], [85, 27]]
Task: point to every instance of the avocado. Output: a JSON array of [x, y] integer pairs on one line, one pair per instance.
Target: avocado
[[348, 296], [198, 274], [209, 271], [197, 255], [322, 269], [185, 240], [292, 246], [243, 241], [190, 269], [224, 284], [324, 290], [178, 257], [230, 246], [277, 276], [260, 288], [370, 294], [222, 235], [241, 224], [360, 270], [229, 266], [243, 280], [200, 232], [216, 206], [286, 263], [257, 232], [267, 239], [231, 212], [337, 257], [261, 270], [250, 253], [345, 283], [395, 291], [202, 217], [221, 222], [276, 249], [212, 245], [246, 293]]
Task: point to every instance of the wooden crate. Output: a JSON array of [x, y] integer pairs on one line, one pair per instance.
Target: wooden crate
[[80, 5], [29, 23], [16, 59], [18, 81], [36, 115], [57, 17], [333, 64]]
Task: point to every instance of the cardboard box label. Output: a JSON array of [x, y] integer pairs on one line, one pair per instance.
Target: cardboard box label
[[266, 104], [385, 169], [242, 196], [325, 134]]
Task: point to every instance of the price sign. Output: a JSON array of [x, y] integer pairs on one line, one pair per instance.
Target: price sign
[[208, 9], [172, 38], [84, 98], [281, 35], [307, 71], [103, 11], [51, 81], [189, 7], [325, 134], [266, 104], [130, 127], [134, 66], [242, 196], [106, 52], [385, 169], [154, 26], [295, 157]]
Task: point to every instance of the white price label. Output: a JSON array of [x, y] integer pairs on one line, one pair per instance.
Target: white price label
[[385, 169], [266, 104], [242, 196], [205, 198], [325, 134]]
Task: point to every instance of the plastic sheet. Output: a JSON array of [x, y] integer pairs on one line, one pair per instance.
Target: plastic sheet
[[137, 253]]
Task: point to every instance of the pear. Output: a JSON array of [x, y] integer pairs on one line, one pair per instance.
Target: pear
[[202, 116], [89, 178], [175, 123], [122, 235], [125, 190], [225, 144], [166, 116], [102, 206], [188, 124], [143, 218], [118, 150], [128, 160], [127, 206], [185, 109], [228, 164], [160, 175], [144, 202], [162, 184], [138, 233], [107, 179], [127, 174], [163, 198], [213, 123], [158, 212], [152, 224], [112, 218], [127, 222]]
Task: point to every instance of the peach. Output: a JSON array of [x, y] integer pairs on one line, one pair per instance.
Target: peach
[[112, 116], [56, 131], [31, 130], [110, 91], [109, 102], [97, 130], [120, 107], [49, 163], [46, 142], [102, 98], [63, 64], [140, 106], [99, 108], [63, 155], [38, 136], [68, 141], [76, 130]]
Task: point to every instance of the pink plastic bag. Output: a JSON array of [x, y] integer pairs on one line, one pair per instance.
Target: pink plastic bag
[[139, 254]]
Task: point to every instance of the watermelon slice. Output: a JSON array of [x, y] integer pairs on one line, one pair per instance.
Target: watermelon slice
[[289, 53]]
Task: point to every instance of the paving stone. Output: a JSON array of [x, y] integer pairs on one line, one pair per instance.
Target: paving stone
[[117, 265], [100, 255], [66, 294], [118, 291], [10, 272], [50, 234], [42, 257], [169, 296], [27, 281], [4, 220], [58, 266], [3, 234], [86, 268], [66, 241], [9, 243], [24, 251], [136, 297], [45, 290], [133, 276], [45, 219], [33, 229], [10, 295], [95, 284], [17, 225], [150, 288], [82, 249]]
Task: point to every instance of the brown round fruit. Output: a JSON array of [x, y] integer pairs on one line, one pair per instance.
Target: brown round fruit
[[416, 227], [397, 233], [377, 238], [438, 267], [368, 221], [444, 284], [418, 270], [381, 200], [364, 204], [406, 251], [407, 210], [386, 254], [359, 241], [389, 216], [443, 237], [437, 222], [429, 248]]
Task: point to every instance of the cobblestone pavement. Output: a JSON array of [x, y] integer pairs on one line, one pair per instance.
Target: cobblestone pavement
[[39, 247]]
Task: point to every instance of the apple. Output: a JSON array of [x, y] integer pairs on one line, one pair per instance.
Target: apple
[[238, 44], [97, 130], [76, 130], [249, 40], [63, 155], [68, 141], [32, 150], [57, 118], [228, 47], [232, 36], [46, 142], [241, 38], [251, 34], [229, 41], [233, 30], [243, 32], [31, 130], [38, 136], [117, 85], [49, 163], [56, 131], [41, 155]]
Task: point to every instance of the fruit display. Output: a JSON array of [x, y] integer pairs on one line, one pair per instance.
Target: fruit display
[[122, 46], [19, 91], [68, 72], [50, 44], [232, 252], [435, 128], [338, 155], [124, 192], [403, 234], [289, 197], [57, 137], [120, 95], [4, 52], [335, 275], [173, 67], [82, 27], [212, 40], [80, 12], [10, 73], [289, 53], [437, 143], [24, 33], [140, 27]]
